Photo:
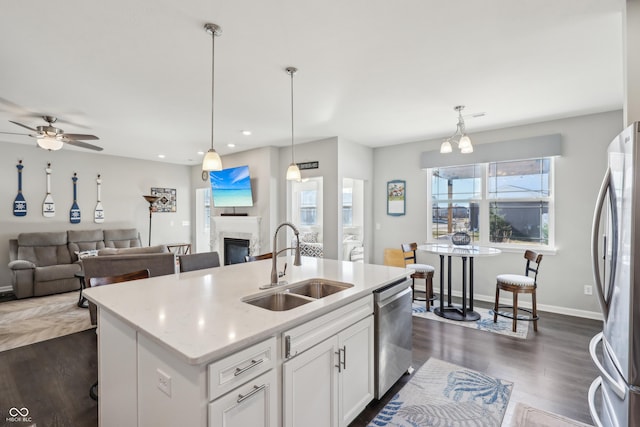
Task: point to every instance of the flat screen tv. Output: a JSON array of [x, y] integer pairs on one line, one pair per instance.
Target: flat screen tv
[[231, 187]]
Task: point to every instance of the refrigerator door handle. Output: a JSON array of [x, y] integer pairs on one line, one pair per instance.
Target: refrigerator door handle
[[595, 385], [618, 389], [595, 229]]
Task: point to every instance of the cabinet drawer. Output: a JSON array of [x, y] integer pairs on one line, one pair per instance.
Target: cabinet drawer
[[305, 336], [235, 370]]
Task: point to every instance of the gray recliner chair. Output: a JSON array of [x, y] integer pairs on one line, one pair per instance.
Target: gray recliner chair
[[198, 261]]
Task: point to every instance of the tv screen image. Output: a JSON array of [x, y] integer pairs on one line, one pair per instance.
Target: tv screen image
[[231, 187]]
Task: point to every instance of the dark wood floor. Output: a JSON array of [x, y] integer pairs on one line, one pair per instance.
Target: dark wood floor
[[550, 370]]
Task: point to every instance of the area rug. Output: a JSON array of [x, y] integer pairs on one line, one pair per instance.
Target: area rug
[[485, 323], [441, 394], [31, 320], [527, 416]]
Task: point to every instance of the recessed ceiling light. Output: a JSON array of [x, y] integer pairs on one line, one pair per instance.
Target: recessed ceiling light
[[231, 145], [162, 156], [246, 132], [200, 153]]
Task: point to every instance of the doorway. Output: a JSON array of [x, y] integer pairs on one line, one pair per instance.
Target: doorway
[[353, 220]]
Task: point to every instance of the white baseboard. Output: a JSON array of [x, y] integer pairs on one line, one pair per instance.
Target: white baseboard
[[542, 307]]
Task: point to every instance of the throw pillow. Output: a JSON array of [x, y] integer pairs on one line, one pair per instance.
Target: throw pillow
[[84, 254]]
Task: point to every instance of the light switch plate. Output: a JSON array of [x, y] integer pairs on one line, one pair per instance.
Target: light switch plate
[[164, 382]]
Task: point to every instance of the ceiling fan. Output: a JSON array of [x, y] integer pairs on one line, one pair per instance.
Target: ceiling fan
[[52, 138]]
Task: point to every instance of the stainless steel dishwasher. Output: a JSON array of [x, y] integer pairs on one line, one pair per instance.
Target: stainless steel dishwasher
[[393, 334]]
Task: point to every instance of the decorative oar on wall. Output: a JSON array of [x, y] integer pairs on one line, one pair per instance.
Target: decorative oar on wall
[[98, 213], [19, 203], [48, 207], [74, 213]]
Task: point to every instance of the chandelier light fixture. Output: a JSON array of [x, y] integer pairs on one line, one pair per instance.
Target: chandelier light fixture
[[212, 161], [459, 137], [293, 172]]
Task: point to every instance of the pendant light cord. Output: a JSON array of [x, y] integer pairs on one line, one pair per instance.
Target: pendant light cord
[[291, 74], [213, 51]]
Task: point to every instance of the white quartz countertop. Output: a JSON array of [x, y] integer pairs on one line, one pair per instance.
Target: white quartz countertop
[[200, 315]]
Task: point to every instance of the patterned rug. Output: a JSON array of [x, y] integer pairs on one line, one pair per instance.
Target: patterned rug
[[485, 323], [31, 320], [441, 394], [527, 416]]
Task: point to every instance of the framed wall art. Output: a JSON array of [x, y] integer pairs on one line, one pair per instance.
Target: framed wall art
[[396, 197], [167, 200]]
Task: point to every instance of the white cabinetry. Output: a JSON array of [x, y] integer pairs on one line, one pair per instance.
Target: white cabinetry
[[329, 382], [244, 388]]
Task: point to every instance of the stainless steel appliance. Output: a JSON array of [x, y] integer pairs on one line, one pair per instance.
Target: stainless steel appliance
[[616, 260], [393, 334]]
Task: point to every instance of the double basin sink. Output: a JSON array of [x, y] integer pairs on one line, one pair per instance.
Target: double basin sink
[[297, 294]]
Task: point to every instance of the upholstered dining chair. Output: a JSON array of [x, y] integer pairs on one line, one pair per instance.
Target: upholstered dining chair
[[518, 284], [108, 280], [199, 261], [422, 271], [249, 258]]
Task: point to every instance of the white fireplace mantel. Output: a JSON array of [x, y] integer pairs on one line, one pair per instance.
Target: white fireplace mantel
[[235, 227]]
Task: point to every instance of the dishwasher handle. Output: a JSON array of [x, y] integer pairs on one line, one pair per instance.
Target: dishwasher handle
[[385, 302]]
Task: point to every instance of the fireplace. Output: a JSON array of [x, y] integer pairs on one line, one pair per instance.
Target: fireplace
[[235, 250], [245, 228]]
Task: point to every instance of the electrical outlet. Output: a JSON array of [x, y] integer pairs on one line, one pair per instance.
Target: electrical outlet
[[164, 382], [588, 290]]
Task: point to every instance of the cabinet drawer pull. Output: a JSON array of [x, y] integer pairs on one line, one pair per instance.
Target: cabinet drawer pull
[[339, 365], [251, 393], [254, 363], [344, 357]]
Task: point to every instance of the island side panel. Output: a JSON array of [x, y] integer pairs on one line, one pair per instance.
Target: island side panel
[[170, 391], [117, 372]]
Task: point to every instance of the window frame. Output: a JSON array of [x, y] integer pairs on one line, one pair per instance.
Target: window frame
[[484, 205]]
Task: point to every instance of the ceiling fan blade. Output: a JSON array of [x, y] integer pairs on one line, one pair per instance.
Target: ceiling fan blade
[[81, 144], [14, 133], [76, 136], [24, 126]]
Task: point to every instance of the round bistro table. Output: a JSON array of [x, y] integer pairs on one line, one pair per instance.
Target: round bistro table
[[466, 252]]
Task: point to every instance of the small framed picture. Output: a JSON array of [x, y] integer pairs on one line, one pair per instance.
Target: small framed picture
[[396, 197]]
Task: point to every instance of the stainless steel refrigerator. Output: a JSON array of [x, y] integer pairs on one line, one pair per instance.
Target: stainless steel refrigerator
[[615, 251]]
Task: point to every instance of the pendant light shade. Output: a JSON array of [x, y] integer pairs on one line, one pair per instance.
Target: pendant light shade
[[212, 161], [293, 172]]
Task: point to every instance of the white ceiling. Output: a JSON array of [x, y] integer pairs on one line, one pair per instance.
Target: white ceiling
[[375, 72]]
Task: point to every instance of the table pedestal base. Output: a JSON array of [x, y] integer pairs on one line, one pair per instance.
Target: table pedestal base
[[455, 313]]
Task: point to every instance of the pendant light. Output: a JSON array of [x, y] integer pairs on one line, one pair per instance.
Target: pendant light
[[293, 172], [459, 136], [212, 161]]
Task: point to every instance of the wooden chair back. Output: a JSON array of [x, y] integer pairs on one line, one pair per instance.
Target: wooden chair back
[[249, 258], [409, 252], [533, 264], [134, 275]]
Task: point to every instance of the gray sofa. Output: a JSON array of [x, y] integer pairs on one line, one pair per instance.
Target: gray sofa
[[46, 263]]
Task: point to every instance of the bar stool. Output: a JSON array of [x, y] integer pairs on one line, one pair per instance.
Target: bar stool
[[519, 285], [422, 271]]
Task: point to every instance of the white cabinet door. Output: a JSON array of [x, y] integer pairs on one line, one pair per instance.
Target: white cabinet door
[[356, 383], [310, 387], [253, 404]]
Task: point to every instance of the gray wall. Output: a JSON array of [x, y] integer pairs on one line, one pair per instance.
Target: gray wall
[[578, 175], [124, 181]]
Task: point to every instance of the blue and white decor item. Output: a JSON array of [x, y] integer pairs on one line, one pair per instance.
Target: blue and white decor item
[[98, 213], [19, 203], [447, 395], [74, 213], [48, 206]]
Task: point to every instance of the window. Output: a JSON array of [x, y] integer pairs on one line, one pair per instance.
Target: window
[[504, 203], [308, 207], [347, 206]]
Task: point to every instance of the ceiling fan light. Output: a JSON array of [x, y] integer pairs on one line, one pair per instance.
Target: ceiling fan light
[[445, 147], [293, 173], [465, 142], [51, 144], [212, 161]]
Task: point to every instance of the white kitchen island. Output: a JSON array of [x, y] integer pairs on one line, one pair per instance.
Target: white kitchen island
[[185, 349]]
